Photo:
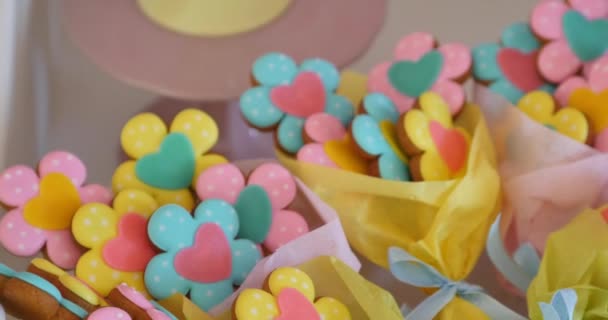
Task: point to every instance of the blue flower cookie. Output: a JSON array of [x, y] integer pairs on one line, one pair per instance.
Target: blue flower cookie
[[375, 135], [287, 94], [510, 68], [201, 256]]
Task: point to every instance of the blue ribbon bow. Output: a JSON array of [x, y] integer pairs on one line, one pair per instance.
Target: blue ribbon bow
[[412, 271], [519, 270], [561, 307]]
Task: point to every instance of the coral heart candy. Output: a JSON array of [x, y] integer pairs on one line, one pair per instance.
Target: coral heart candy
[[210, 257], [293, 305], [304, 97], [451, 145], [131, 249], [520, 68]]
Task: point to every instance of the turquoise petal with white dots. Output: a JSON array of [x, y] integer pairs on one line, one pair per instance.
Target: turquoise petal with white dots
[[162, 280], [169, 226], [368, 136], [380, 107], [208, 295], [329, 74], [289, 134], [340, 108], [520, 36], [485, 66], [245, 255], [392, 168], [220, 213], [258, 109], [274, 69], [507, 90]]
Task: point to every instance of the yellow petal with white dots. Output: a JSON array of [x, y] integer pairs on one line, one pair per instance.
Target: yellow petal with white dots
[[332, 309], [142, 135], [255, 304], [135, 201], [94, 224], [538, 105], [288, 277], [435, 108], [572, 123], [200, 128]]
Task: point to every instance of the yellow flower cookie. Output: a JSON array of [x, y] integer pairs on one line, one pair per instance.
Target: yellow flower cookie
[[540, 107], [290, 296], [117, 239], [167, 161], [438, 149]]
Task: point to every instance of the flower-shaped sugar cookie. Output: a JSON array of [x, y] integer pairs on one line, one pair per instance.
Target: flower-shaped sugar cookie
[[595, 78], [328, 145], [576, 33], [540, 107], [509, 68], [419, 67], [167, 162], [290, 295], [374, 134], [44, 204], [439, 149], [260, 201], [117, 239], [288, 94], [201, 255]]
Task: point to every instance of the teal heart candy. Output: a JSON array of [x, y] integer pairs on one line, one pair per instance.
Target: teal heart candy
[[413, 78], [255, 213], [588, 39], [171, 167]]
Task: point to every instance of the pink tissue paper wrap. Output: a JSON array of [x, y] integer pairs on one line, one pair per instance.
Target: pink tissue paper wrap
[[547, 178]]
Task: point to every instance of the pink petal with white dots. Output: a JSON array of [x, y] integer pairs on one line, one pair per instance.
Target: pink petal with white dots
[[323, 127], [286, 226], [598, 74], [315, 153], [223, 181], [563, 92], [592, 9], [18, 184], [278, 183], [66, 163], [415, 45], [557, 62], [62, 249], [109, 313], [457, 61], [378, 82], [453, 94], [546, 20], [95, 193], [18, 237]]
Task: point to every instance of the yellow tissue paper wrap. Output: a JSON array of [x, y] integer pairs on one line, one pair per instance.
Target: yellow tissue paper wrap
[[443, 223], [332, 278], [575, 257]]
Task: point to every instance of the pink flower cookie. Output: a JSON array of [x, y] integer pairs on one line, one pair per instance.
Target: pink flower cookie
[[260, 201], [595, 78], [138, 306], [419, 67], [44, 205], [575, 30]]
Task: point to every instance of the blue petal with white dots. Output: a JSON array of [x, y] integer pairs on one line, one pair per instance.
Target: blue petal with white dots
[[340, 108], [219, 212], [520, 36], [380, 107], [289, 134], [258, 109], [507, 90], [208, 295], [329, 74], [274, 69], [392, 168], [485, 65], [164, 223], [162, 280], [245, 255], [368, 136]]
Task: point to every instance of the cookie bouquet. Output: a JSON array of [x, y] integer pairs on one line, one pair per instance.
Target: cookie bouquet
[[542, 89], [182, 227]]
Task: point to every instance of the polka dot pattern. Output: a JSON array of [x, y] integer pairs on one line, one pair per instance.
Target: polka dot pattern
[[322, 127], [224, 181], [18, 184], [546, 19], [142, 135], [287, 277], [62, 249], [286, 226], [277, 181], [18, 237], [332, 309], [109, 313], [256, 304], [315, 153], [199, 127], [325, 70], [557, 62], [95, 193], [274, 69]]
